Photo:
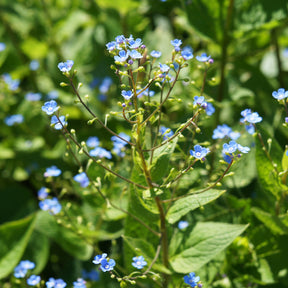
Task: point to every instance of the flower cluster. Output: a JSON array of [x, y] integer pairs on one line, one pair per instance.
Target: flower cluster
[[106, 264], [201, 102], [230, 150], [14, 119], [119, 144], [250, 119], [22, 268], [51, 205], [224, 131]]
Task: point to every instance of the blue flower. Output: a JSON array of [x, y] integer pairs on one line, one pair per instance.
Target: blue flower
[[42, 193], [65, 66], [80, 283], [135, 54], [243, 149], [122, 57], [33, 280], [56, 283], [250, 128], [139, 262], [14, 119], [107, 265], [187, 55], [33, 96], [52, 94], [22, 268], [50, 107], [51, 205], [90, 275], [183, 224], [119, 144], [2, 46], [191, 279], [101, 153], [164, 67], [230, 148], [253, 118], [111, 46], [223, 131], [280, 94], [146, 92], [166, 132], [92, 142], [203, 57], [134, 44], [200, 101], [105, 85], [120, 39], [58, 125], [34, 65], [82, 179], [99, 258], [176, 43], [12, 84], [127, 94], [155, 54], [199, 152], [209, 109], [52, 171], [250, 117]]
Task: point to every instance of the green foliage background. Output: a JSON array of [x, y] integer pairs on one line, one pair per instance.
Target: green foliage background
[[247, 40]]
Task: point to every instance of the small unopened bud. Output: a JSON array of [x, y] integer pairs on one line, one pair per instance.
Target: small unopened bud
[[72, 131], [63, 84], [198, 130]]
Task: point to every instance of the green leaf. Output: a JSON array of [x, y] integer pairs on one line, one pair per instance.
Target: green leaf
[[161, 157], [272, 222], [203, 243], [37, 251], [183, 206], [214, 13], [123, 6], [67, 239], [14, 237], [285, 160]]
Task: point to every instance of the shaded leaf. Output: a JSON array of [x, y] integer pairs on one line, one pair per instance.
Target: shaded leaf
[[183, 206], [14, 237], [203, 243]]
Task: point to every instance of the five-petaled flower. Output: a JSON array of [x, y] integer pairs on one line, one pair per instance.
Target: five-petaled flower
[[65, 66], [199, 152], [82, 178], [200, 101], [99, 258], [155, 54], [139, 262], [56, 283], [107, 265], [122, 56], [33, 280], [127, 94], [80, 283], [58, 125], [203, 57], [191, 279], [52, 171], [50, 107], [280, 94]]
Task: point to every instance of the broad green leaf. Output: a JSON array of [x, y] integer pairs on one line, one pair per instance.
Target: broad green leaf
[[214, 13], [161, 157], [272, 222], [14, 237], [37, 251], [265, 271], [123, 6], [67, 239], [183, 206], [203, 243]]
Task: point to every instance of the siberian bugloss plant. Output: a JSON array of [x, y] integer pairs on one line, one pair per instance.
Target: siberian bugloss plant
[[150, 162]]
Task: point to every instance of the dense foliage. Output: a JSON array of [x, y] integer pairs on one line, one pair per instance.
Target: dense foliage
[[143, 143]]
